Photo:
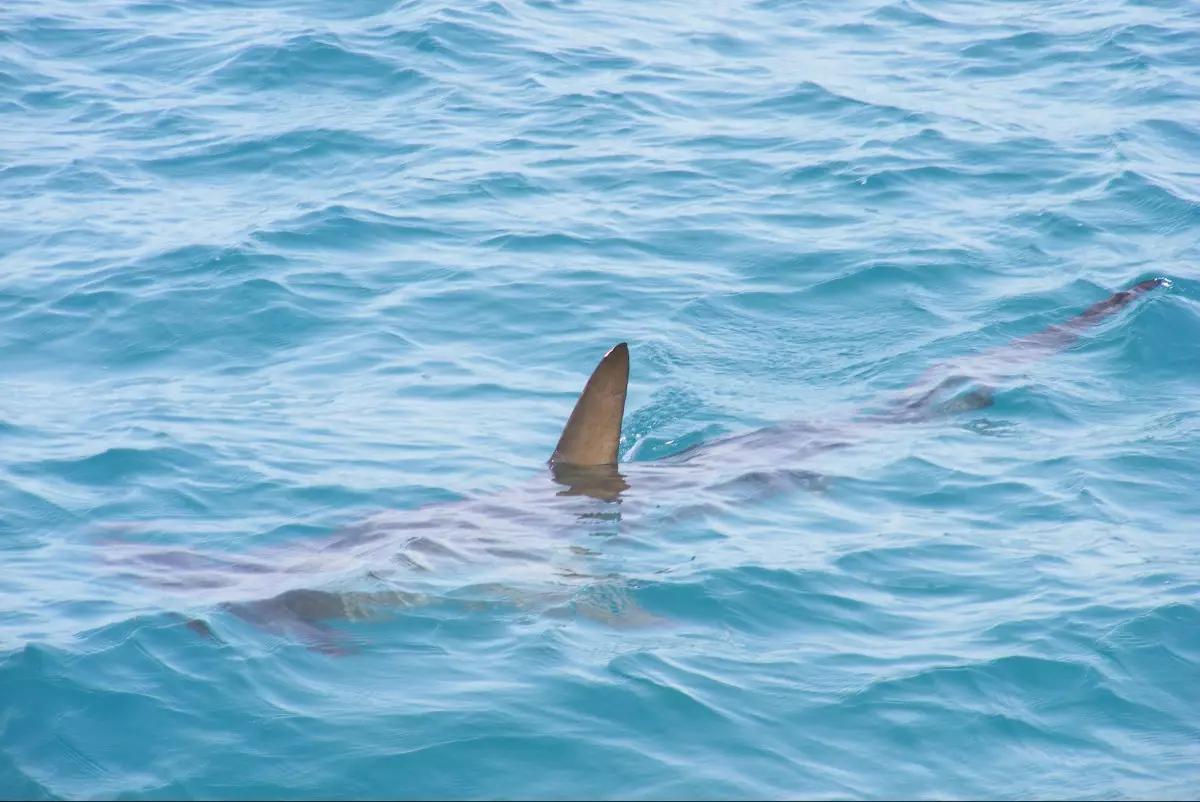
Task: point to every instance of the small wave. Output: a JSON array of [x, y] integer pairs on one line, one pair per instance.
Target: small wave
[[347, 228], [116, 465], [315, 62], [283, 154], [812, 99]]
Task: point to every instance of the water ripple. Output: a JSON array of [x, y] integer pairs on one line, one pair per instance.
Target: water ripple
[[269, 269]]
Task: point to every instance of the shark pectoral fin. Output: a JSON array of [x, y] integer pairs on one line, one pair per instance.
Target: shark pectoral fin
[[979, 398], [982, 398], [201, 628], [612, 607], [301, 615], [197, 625], [951, 396], [593, 432]]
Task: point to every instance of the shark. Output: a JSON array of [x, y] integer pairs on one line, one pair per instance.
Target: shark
[[388, 561]]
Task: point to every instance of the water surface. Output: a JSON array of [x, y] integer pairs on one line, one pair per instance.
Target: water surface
[[269, 268]]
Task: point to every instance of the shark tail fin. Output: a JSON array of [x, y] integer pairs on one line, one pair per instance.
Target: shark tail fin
[[1064, 334], [999, 363], [593, 432]]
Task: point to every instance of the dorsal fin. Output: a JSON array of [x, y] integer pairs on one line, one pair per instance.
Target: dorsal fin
[[593, 431]]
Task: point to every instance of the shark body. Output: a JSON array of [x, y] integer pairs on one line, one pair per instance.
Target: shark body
[[386, 558]]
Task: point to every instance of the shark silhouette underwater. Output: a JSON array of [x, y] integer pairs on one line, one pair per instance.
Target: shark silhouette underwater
[[582, 485]]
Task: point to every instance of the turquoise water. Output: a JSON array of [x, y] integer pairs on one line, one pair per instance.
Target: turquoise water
[[267, 269]]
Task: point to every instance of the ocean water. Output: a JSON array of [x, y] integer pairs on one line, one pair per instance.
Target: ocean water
[[269, 268]]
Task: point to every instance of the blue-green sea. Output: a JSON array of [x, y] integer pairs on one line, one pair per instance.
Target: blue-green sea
[[269, 268]]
